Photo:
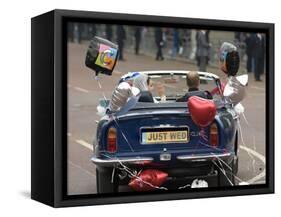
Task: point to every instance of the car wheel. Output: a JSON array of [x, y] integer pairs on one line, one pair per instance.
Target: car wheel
[[105, 182]]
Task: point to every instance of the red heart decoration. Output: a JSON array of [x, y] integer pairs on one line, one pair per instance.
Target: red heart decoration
[[154, 177], [202, 110]]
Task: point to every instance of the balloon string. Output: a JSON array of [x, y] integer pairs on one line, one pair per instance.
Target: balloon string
[[100, 86], [135, 175], [113, 117], [247, 150], [204, 137], [122, 133], [221, 160], [223, 171], [203, 134], [251, 128], [221, 168]]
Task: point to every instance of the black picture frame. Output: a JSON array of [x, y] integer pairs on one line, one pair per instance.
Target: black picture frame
[[49, 104]]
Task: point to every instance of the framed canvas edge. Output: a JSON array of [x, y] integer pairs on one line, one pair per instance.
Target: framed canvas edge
[[61, 201]]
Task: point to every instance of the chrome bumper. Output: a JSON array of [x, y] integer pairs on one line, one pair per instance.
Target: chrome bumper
[[114, 161], [202, 157], [142, 160]]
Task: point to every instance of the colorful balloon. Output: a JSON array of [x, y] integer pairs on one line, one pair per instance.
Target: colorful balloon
[[202, 111], [229, 60], [101, 56]]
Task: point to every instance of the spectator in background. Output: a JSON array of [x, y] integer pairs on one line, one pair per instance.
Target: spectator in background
[[77, 33], [137, 39], [196, 56], [176, 42], [159, 43], [108, 32], [237, 36], [121, 37], [92, 29], [207, 32], [202, 52], [185, 41], [240, 43], [259, 55], [208, 40], [249, 41]]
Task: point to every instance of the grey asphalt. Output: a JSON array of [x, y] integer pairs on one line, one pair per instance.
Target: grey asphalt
[[83, 96]]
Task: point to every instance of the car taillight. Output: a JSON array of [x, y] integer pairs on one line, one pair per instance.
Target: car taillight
[[214, 135], [112, 140]]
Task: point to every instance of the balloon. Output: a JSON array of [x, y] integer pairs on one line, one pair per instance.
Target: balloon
[[151, 176], [243, 79], [235, 89], [101, 56], [101, 111], [132, 101], [229, 59], [123, 98], [202, 111], [120, 96], [239, 108]]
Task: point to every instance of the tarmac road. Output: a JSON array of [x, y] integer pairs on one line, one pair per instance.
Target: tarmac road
[[83, 97]]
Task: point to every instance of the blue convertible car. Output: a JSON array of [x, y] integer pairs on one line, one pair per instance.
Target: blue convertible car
[[162, 136]]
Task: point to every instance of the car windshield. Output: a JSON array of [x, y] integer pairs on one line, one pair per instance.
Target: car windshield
[[174, 86]]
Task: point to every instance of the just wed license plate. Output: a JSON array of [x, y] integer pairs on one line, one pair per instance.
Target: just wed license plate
[[164, 135]]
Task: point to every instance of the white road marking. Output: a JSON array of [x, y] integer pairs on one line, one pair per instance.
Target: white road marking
[[260, 182], [81, 168], [256, 154], [85, 144], [256, 178], [76, 105], [258, 88], [256, 94], [260, 157], [81, 89]]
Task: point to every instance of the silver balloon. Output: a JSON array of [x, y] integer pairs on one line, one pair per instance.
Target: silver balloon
[[120, 96], [235, 89]]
